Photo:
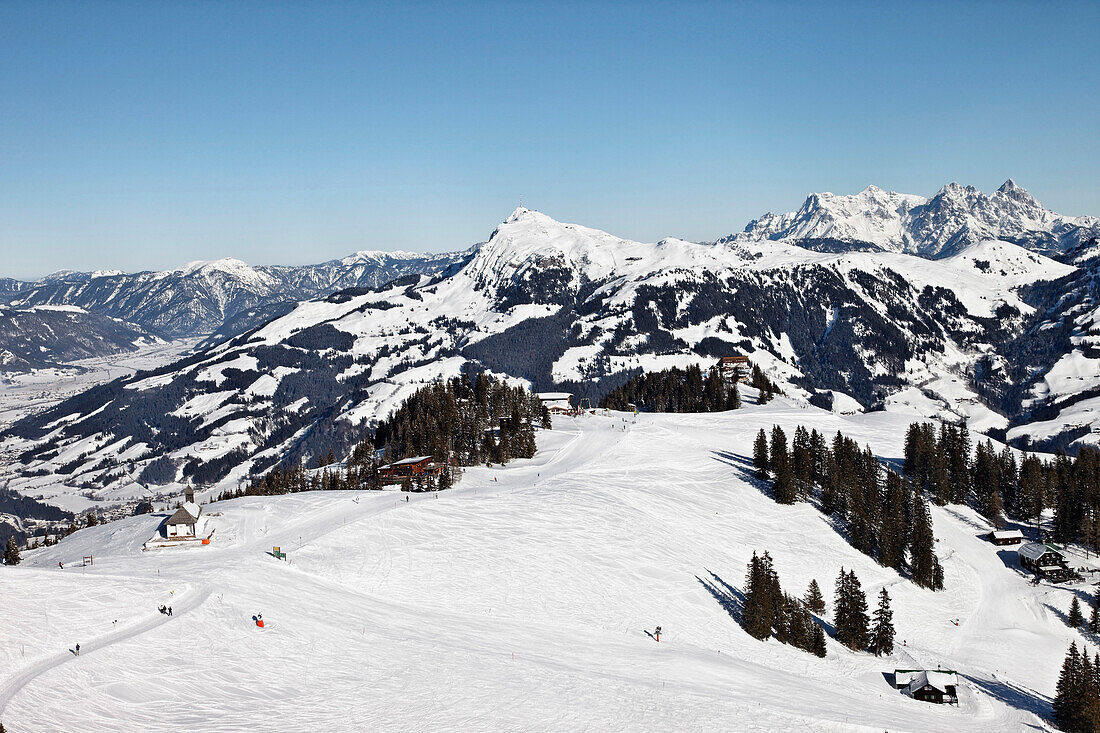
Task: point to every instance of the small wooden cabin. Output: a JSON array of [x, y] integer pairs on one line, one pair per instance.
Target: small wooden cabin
[[1046, 561], [1006, 537], [939, 686]]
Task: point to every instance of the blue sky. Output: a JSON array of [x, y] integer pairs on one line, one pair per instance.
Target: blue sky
[[144, 135]]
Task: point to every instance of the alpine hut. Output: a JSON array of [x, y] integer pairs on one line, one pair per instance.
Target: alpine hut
[[1046, 561], [929, 685]]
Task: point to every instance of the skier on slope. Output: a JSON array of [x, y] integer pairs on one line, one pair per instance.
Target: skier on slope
[[657, 633], [78, 650]]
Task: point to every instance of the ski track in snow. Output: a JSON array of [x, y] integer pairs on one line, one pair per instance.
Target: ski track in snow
[[24, 676], [521, 603]]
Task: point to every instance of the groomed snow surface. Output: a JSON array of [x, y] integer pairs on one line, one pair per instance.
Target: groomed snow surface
[[519, 600]]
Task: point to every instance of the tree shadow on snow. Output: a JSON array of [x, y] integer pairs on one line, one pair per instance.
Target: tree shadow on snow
[[746, 471], [1015, 696], [729, 598]]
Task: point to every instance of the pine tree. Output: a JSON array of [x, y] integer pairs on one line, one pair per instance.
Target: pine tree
[[1073, 618], [758, 614], [850, 616], [814, 600], [11, 552], [923, 563], [92, 519], [882, 633], [760, 454], [1094, 617], [1069, 694], [817, 644]]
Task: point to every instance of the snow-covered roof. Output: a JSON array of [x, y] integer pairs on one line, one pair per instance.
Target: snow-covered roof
[[407, 461], [1007, 534], [554, 396], [915, 679], [1035, 550], [192, 508], [933, 678], [181, 516]]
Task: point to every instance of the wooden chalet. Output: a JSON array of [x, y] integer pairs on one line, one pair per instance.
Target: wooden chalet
[[1046, 561], [558, 403], [398, 471], [929, 685], [1006, 537], [735, 368]]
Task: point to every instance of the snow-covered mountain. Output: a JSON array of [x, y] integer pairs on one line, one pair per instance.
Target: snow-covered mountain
[[567, 307], [200, 297], [40, 337], [940, 226]]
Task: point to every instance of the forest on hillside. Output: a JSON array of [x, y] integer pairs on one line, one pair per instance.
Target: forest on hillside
[[686, 390]]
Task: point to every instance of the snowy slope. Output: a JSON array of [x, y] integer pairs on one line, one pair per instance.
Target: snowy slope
[[519, 601]]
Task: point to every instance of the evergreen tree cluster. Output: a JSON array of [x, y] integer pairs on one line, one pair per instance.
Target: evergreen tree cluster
[[460, 422], [942, 463], [676, 390], [1077, 695], [769, 611], [883, 515], [465, 421], [768, 388], [852, 627]]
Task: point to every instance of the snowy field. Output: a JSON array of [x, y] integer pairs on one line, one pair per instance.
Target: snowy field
[[519, 600]]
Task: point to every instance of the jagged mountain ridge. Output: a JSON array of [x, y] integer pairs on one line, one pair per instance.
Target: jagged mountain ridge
[[198, 298], [940, 226], [561, 305]]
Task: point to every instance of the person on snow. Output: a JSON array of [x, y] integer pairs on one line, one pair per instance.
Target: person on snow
[[657, 633], [78, 650], [60, 565], [169, 610]]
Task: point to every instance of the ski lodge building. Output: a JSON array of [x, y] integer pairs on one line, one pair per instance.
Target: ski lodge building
[[558, 403], [929, 685], [1046, 561], [1006, 537], [187, 522], [398, 471], [735, 368]]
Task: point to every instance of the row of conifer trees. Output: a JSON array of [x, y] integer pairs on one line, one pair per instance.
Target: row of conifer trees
[[944, 463], [686, 390], [881, 513], [769, 611]]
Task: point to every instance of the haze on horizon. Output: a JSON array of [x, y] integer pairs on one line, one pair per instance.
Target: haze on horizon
[[141, 136]]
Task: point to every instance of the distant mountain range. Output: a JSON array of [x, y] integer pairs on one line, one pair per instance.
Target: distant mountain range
[[998, 334], [940, 226], [201, 297]]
